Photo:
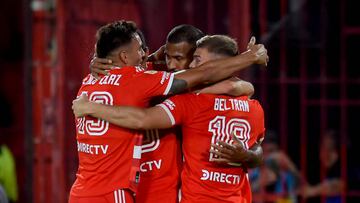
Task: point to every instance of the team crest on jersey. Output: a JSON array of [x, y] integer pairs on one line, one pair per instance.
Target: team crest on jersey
[[152, 72]]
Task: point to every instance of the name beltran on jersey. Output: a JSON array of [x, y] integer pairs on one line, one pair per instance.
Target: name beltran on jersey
[[92, 149], [220, 177], [221, 104]]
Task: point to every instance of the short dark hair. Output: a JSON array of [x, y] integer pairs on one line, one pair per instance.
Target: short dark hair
[[184, 33], [219, 44], [114, 35]]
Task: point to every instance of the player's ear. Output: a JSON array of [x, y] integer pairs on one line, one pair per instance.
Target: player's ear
[[123, 57]]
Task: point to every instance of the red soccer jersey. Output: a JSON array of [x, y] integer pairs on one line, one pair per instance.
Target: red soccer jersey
[[206, 119], [105, 150], [161, 162]]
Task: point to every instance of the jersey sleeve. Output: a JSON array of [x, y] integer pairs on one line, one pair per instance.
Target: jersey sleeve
[[155, 83], [176, 109]]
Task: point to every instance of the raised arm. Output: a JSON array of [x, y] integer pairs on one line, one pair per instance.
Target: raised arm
[[125, 116], [217, 70], [206, 73]]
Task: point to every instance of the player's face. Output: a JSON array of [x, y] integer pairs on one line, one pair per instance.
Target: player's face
[[178, 55], [135, 53], [201, 55]]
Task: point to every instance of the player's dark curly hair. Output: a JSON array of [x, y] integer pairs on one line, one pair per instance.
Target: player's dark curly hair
[[184, 33], [219, 44], [114, 35]]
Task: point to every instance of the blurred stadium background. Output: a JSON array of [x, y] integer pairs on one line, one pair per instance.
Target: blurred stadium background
[[311, 85]]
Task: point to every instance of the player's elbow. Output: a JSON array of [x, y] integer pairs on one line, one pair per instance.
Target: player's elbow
[[246, 88]]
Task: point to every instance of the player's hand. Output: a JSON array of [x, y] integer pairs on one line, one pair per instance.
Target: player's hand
[[258, 51], [100, 66], [158, 55], [79, 106], [261, 54], [251, 43], [227, 153]]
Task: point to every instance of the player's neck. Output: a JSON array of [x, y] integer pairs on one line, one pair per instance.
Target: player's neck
[[119, 64], [116, 61]]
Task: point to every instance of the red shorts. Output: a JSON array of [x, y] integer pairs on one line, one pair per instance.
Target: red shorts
[[117, 196]]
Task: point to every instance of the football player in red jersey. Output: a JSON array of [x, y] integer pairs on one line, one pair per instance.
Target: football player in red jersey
[[106, 151], [161, 158], [205, 119]]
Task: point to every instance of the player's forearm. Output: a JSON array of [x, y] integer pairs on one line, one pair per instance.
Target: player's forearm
[[232, 87], [214, 71], [221, 69], [223, 87], [123, 116], [241, 88]]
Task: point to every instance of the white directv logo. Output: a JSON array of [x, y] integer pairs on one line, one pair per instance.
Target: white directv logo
[[220, 177]]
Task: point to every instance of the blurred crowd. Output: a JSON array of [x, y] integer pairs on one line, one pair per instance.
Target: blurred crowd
[[279, 179]]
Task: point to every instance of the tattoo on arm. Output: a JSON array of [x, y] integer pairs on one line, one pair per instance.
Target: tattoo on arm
[[178, 86]]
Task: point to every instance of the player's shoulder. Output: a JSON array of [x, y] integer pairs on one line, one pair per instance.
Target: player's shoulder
[[145, 72], [211, 97], [184, 96], [254, 102], [138, 72], [249, 100], [255, 105], [192, 100]]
